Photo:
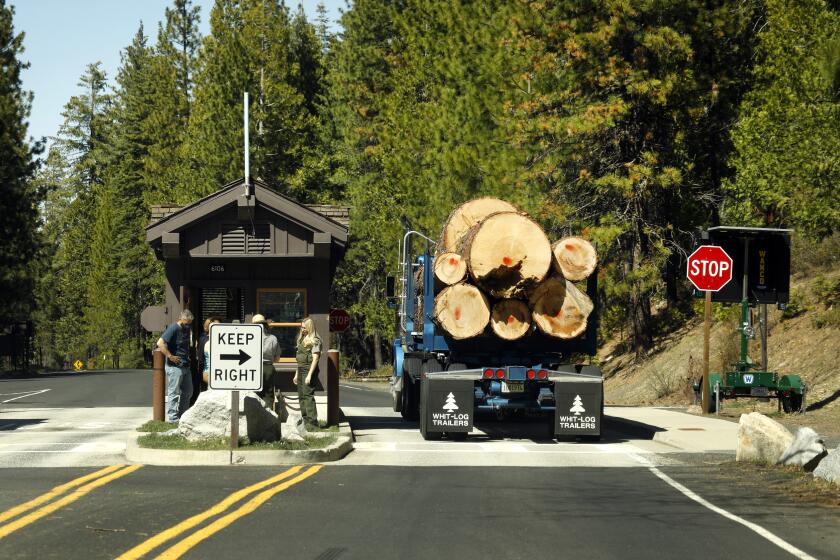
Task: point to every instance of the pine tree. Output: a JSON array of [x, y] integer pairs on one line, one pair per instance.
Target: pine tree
[[359, 80], [19, 199], [103, 313], [624, 123], [130, 276], [787, 139], [170, 83], [83, 142], [52, 178]]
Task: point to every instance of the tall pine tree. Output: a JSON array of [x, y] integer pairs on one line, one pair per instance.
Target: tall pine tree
[[83, 143], [19, 199], [787, 139]]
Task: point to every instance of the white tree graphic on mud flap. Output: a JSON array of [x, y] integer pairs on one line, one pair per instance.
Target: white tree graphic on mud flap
[[450, 403], [577, 406]]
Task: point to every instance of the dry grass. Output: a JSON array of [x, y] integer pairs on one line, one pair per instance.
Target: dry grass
[[799, 486]]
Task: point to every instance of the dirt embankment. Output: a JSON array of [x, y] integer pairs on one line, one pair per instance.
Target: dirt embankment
[[803, 340]]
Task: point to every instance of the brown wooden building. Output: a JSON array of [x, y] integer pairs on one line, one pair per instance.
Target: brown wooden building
[[229, 255]]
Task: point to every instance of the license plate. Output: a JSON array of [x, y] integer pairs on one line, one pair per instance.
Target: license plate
[[513, 386], [758, 391]]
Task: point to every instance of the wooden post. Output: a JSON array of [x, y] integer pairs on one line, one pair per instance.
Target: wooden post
[[707, 324], [333, 409], [234, 419], [158, 385]]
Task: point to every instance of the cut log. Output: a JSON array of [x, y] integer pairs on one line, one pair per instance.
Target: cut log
[[559, 308], [462, 311], [574, 258], [466, 216], [507, 254], [510, 319], [450, 269]]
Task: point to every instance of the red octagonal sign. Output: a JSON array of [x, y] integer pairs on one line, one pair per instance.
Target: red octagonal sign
[[339, 320], [709, 268]]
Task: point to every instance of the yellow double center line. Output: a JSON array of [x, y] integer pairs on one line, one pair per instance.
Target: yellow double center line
[[179, 548], [99, 478]]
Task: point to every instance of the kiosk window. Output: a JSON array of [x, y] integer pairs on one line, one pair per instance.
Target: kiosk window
[[284, 308]]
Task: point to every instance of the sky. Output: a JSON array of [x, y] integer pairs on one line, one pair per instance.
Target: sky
[[63, 36]]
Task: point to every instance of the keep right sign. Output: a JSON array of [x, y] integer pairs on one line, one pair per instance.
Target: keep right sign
[[709, 268]]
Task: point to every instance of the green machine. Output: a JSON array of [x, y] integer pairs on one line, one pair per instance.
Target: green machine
[[761, 276]]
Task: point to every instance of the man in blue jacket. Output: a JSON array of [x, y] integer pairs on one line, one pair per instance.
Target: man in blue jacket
[[175, 345]]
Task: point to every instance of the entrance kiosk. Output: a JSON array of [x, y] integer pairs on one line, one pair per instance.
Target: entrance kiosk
[[249, 249]]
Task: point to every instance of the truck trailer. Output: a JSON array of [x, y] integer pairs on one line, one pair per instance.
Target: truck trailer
[[445, 383]]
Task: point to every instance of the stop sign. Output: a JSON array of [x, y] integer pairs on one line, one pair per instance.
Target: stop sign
[[709, 268], [339, 320]]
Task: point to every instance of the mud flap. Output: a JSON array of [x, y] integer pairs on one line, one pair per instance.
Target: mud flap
[[579, 408], [446, 405]]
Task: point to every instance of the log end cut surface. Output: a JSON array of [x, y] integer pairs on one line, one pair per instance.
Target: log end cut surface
[[462, 311], [507, 254], [450, 268], [467, 215], [574, 258], [510, 319], [559, 309]]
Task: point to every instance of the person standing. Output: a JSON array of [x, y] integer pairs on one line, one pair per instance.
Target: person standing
[[204, 346], [308, 352], [175, 345], [270, 351]]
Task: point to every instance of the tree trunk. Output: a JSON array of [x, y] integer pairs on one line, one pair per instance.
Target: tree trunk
[[464, 217], [574, 258], [462, 311], [510, 319], [377, 350], [449, 269], [640, 316], [560, 309], [507, 254]]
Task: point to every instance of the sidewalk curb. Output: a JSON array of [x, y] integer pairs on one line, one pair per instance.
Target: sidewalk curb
[[188, 458]]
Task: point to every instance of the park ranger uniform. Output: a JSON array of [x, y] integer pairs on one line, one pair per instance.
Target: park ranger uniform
[[306, 393]]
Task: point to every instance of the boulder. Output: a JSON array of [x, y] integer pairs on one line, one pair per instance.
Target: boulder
[[761, 439], [209, 417], [294, 428], [262, 423], [806, 450], [829, 467]]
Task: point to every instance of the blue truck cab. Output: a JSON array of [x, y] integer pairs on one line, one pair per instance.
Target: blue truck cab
[[444, 383]]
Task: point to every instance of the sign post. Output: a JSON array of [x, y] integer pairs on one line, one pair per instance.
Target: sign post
[[235, 365], [709, 269]]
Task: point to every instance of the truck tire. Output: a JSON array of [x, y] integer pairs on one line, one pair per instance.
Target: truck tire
[[397, 404], [410, 408], [410, 394]]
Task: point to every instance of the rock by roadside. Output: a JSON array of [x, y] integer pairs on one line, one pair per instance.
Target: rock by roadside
[[806, 450], [210, 417], [761, 439], [829, 467]]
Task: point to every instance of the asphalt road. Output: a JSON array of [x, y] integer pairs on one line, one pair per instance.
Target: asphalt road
[[412, 511]]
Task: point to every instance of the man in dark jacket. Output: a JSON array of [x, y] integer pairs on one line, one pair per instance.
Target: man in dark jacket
[[175, 345]]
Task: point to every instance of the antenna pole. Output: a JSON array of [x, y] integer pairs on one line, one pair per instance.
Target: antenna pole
[[247, 150]]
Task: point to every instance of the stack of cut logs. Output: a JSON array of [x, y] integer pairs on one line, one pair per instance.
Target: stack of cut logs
[[495, 265]]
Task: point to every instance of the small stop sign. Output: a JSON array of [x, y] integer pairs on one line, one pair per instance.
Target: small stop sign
[[709, 268], [339, 320]]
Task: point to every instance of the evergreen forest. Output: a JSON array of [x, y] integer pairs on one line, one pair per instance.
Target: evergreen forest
[[635, 124]]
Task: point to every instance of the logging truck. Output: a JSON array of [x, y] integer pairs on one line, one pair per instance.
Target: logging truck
[[491, 319]]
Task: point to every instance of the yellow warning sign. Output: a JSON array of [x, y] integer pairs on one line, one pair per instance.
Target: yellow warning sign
[[78, 364]]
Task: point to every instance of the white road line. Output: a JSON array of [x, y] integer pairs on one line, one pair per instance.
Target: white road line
[[756, 528], [39, 430], [355, 388], [29, 394]]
